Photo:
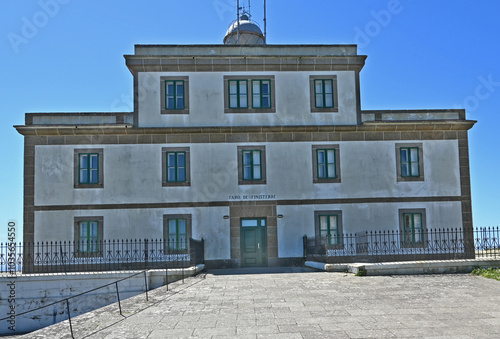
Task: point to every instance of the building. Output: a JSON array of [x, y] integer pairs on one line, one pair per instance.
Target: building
[[250, 147]]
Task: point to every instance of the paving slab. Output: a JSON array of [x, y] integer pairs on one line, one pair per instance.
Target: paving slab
[[300, 303]]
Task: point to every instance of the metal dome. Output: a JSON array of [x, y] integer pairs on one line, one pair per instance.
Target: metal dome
[[250, 33]]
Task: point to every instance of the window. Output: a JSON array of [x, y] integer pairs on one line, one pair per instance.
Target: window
[[88, 240], [326, 163], [88, 168], [409, 162], [261, 93], [324, 96], [176, 232], [251, 165], [89, 171], [238, 94], [174, 95], [88, 235], [329, 228], [176, 166], [326, 166], [323, 93], [413, 232], [409, 158], [249, 94]]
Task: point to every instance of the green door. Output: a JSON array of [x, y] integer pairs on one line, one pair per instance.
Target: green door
[[253, 242]]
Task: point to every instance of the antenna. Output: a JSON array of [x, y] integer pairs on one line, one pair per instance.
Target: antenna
[[238, 20], [251, 33], [265, 22]]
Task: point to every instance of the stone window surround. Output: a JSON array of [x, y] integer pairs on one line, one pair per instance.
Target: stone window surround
[[163, 79], [164, 152], [317, 180], [76, 235], [338, 213], [401, 227], [250, 108], [315, 109], [420, 161], [100, 152], [262, 150]]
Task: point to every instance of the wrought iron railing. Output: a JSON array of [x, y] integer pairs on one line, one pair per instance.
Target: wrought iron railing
[[104, 255], [379, 246]]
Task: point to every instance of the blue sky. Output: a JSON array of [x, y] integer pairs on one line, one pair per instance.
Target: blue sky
[[67, 56]]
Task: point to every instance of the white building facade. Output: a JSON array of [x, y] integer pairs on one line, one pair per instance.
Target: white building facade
[[249, 147]]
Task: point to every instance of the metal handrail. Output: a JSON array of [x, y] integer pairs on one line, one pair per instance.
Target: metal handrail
[[66, 300], [53, 259]]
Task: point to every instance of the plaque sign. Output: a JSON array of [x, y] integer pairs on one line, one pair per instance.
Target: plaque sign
[[252, 197]]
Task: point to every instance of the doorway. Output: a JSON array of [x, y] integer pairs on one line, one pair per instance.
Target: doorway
[[253, 233]]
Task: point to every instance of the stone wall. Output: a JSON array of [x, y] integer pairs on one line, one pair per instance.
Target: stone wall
[[36, 290]]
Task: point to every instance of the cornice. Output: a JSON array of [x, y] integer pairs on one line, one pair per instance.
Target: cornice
[[238, 63], [123, 129]]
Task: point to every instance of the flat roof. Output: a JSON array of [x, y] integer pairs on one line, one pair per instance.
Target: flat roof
[[246, 50]]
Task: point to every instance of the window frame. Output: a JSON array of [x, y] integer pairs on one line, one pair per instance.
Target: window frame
[[100, 236], [238, 93], [163, 91], [403, 232], [260, 94], [399, 164], [317, 226], [316, 178], [262, 150], [312, 93], [166, 219], [187, 166], [252, 165], [250, 94], [100, 167]]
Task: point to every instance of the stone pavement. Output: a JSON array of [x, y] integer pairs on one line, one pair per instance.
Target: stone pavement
[[300, 303]]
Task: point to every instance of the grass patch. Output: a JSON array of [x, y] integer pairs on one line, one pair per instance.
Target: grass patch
[[361, 272], [491, 273]]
